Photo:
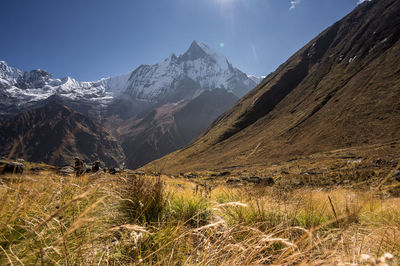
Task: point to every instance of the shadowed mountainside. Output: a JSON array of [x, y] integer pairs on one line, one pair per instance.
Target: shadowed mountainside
[[54, 134], [340, 90], [171, 126]]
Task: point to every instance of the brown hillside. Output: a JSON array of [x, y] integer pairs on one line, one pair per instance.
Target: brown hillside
[[55, 134], [340, 90], [171, 126]]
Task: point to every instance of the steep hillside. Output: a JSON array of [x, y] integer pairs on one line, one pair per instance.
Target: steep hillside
[[54, 134], [340, 90], [171, 126]]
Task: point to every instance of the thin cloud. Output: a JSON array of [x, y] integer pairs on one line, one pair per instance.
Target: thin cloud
[[294, 3], [253, 49]]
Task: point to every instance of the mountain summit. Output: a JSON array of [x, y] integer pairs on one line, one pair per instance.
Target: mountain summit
[[194, 52], [200, 66], [340, 90]]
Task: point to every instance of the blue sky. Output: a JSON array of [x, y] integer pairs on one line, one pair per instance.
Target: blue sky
[[90, 39]]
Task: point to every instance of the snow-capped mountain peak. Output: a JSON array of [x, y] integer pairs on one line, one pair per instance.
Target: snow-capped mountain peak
[[204, 66], [217, 56], [7, 72], [194, 52], [19, 89], [199, 51]]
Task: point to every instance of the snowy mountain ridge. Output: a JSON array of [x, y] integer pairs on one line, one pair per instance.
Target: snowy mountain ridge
[[18, 88], [200, 67], [8, 73], [200, 63]]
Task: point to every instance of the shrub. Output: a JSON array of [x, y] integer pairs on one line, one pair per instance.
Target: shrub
[[143, 199], [190, 210]]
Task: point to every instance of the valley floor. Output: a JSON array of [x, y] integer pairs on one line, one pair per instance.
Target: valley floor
[[199, 218]]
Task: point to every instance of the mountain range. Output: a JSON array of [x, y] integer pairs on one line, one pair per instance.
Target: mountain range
[[168, 81], [340, 90], [143, 110]]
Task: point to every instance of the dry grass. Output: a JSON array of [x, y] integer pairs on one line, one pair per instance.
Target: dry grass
[[129, 219], [50, 219]]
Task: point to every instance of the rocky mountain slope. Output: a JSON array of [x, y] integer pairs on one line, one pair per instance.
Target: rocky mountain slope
[[340, 90], [54, 133], [171, 126]]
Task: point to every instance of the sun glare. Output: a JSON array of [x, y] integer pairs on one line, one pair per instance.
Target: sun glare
[[224, 2]]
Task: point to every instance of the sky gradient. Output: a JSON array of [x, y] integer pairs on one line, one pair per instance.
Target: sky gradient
[[91, 39]]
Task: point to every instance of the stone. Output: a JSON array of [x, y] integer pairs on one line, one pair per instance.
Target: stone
[[11, 167], [255, 179], [224, 173], [232, 181], [267, 181], [66, 170]]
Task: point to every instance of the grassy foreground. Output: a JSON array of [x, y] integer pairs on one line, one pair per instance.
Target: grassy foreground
[[102, 219]]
